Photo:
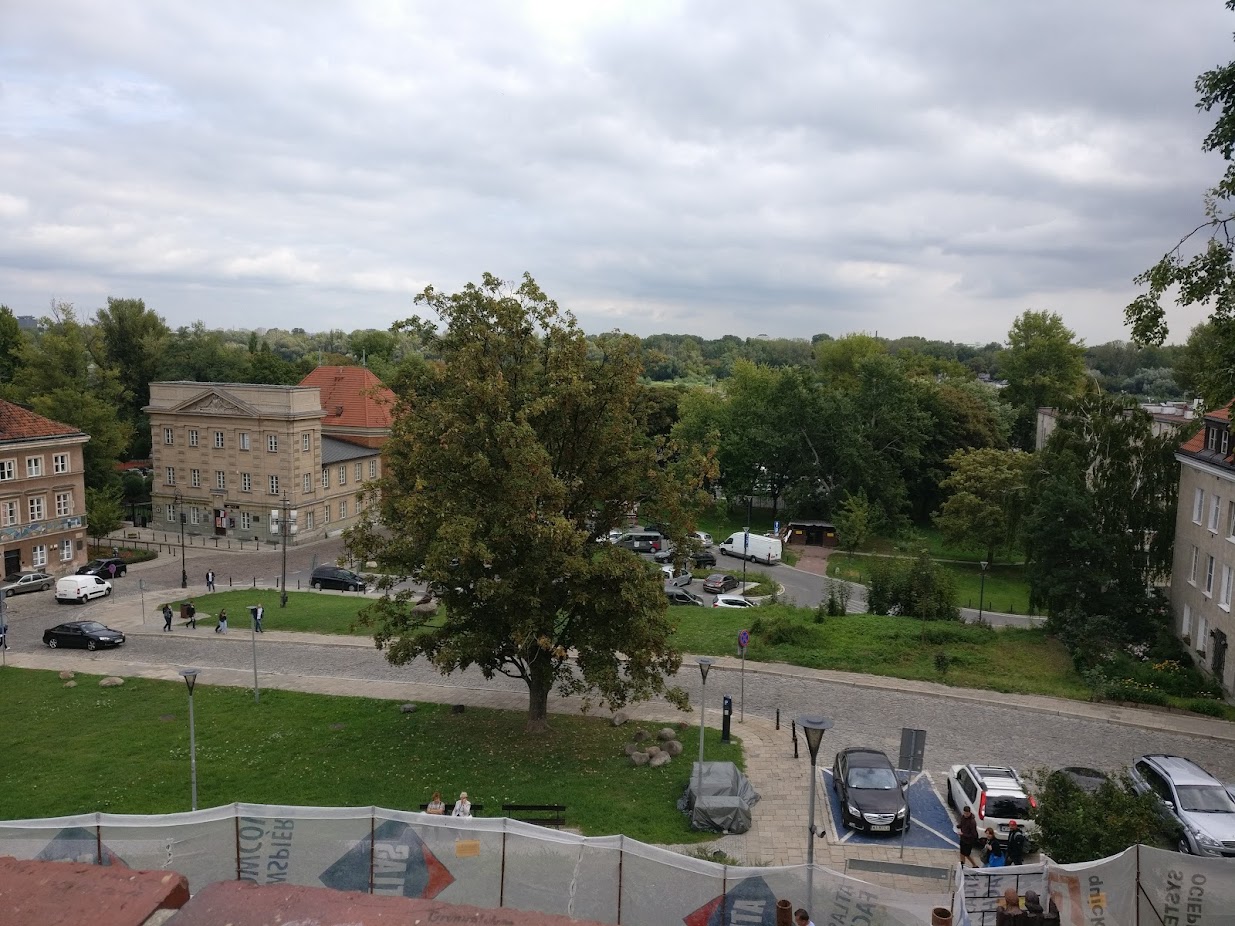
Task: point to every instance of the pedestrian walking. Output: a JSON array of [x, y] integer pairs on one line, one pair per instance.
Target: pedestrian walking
[[167, 617], [210, 580], [967, 831], [258, 613], [1017, 843], [4, 636], [221, 626], [190, 614]]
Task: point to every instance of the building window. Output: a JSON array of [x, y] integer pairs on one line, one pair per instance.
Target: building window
[[326, 514], [1202, 631], [1196, 558], [170, 476], [64, 504], [373, 469], [246, 520], [272, 443], [38, 556], [195, 478], [192, 437], [1215, 513], [308, 520], [246, 482], [1186, 628], [218, 440], [171, 513], [60, 463], [34, 467], [1230, 520], [325, 477], [244, 440], [66, 550], [343, 510], [8, 514], [308, 483], [1226, 442], [359, 471], [1224, 597], [343, 475], [1211, 438], [306, 441], [274, 485], [37, 506], [220, 479], [168, 436], [1198, 505], [8, 470], [195, 515], [1209, 575]]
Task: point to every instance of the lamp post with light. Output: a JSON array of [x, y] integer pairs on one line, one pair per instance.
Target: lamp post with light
[[982, 590], [190, 679], [184, 572], [813, 727], [704, 664]]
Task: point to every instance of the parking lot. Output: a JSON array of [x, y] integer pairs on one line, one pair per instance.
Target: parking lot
[[931, 826]]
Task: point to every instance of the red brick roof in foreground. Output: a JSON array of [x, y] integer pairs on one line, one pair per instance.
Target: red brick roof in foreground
[[18, 423], [352, 397]]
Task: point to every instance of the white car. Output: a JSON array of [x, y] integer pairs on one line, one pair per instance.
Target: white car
[[683, 577], [997, 795], [704, 538], [732, 601]]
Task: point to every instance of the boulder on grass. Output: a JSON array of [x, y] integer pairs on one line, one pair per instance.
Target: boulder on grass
[[661, 758], [112, 681], [653, 750], [66, 674], [666, 733], [640, 735], [673, 748], [630, 748], [639, 758], [407, 708], [620, 718], [70, 684]]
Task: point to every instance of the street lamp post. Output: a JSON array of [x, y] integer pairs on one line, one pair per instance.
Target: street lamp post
[[184, 571], [982, 590], [750, 502], [813, 727], [190, 679], [285, 532], [704, 664]]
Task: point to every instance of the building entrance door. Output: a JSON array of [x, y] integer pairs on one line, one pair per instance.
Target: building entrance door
[[12, 562], [1219, 655]]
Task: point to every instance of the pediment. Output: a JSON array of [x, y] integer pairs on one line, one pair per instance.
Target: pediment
[[216, 402]]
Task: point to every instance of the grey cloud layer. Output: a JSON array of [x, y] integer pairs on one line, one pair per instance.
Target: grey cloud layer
[[778, 168]]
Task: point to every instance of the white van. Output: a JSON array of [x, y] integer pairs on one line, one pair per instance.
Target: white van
[[81, 589], [752, 547]]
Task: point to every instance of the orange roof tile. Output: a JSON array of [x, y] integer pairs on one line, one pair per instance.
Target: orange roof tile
[[19, 423], [352, 397]]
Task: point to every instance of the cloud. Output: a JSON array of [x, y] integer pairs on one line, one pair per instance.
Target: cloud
[[778, 168]]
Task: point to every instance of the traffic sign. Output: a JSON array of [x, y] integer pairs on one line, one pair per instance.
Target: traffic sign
[[743, 638]]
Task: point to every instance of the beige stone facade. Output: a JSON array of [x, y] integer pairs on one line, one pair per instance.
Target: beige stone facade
[[227, 454], [42, 493], [1203, 571]]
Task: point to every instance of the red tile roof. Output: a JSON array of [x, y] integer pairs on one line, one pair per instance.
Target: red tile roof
[[352, 397], [1196, 443], [18, 423]]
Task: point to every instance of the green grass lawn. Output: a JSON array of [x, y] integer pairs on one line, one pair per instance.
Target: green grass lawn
[[125, 750], [1010, 659], [1006, 588], [310, 612]]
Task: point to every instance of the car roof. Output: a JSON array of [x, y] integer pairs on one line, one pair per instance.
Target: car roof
[[1180, 770], [998, 778], [864, 757]]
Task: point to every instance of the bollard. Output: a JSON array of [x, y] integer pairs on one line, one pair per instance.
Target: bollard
[[297, 585], [778, 718], [784, 913], [229, 581], [255, 581], [794, 727]]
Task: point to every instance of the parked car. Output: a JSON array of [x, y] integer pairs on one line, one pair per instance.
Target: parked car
[[337, 577], [89, 635], [753, 547], [997, 794], [872, 795], [719, 582], [102, 567], [80, 589], [641, 541], [18, 583], [704, 538], [680, 578], [732, 601], [700, 558], [1193, 798], [680, 596]]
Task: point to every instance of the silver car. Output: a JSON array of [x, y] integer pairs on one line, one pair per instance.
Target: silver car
[[19, 582], [1194, 798]]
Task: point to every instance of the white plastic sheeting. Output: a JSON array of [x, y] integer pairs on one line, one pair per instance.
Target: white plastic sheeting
[[486, 862]]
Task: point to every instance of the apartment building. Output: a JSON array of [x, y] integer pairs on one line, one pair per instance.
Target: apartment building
[[42, 493], [226, 455], [1203, 571]]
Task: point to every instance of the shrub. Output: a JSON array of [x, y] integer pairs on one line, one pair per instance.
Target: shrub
[[783, 632], [1206, 706], [915, 588], [1129, 690]]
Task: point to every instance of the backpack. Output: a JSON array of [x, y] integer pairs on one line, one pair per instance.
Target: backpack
[[1016, 845]]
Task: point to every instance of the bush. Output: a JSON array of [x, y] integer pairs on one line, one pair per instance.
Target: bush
[[914, 588], [1206, 706], [783, 632], [128, 554], [1129, 690]]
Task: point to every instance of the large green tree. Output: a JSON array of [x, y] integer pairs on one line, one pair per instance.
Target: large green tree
[[134, 341], [512, 454], [1044, 365], [987, 499], [11, 340]]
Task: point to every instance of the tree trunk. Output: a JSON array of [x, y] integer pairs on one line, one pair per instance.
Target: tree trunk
[[539, 684]]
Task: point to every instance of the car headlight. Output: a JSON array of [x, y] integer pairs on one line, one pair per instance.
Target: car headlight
[[853, 811], [900, 813], [1205, 839]]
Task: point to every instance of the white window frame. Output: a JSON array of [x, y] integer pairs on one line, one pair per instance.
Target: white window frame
[[38, 555], [373, 469], [1215, 514], [1226, 442], [244, 440], [246, 482], [246, 521], [10, 513], [170, 476], [170, 514], [306, 441], [1211, 438], [195, 515], [1198, 505], [1202, 631], [219, 442], [343, 474], [34, 467], [64, 504], [195, 478], [66, 550], [220, 480], [1196, 563], [36, 508], [8, 470], [274, 485], [325, 477], [192, 437], [1209, 576], [1185, 629], [343, 509], [326, 514], [272, 443], [308, 520], [307, 483], [169, 436], [59, 463], [1224, 595]]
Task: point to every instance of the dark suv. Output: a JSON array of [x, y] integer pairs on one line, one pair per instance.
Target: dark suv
[[337, 577], [103, 567]]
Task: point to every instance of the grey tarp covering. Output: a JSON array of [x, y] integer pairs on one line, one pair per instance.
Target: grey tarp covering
[[726, 798]]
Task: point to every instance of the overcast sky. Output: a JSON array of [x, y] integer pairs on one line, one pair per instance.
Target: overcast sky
[[779, 168]]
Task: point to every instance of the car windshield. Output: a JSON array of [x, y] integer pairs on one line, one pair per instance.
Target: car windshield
[[1205, 799], [873, 779], [1006, 806], [13, 577], [92, 626]]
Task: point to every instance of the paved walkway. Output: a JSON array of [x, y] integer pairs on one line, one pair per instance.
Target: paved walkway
[[779, 833]]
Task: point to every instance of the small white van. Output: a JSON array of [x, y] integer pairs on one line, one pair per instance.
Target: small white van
[[80, 589], [752, 547]]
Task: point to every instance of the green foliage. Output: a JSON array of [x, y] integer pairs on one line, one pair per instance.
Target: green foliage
[[855, 520], [104, 512], [942, 662], [987, 499], [536, 453], [11, 340], [1044, 366], [133, 342], [1080, 826], [917, 587]]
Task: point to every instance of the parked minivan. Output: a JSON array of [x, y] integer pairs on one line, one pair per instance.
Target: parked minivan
[[752, 547], [80, 589], [641, 541]]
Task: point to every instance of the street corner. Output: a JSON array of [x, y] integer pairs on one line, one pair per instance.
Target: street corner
[[931, 825]]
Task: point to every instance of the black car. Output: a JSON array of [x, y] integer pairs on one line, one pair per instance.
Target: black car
[[337, 577], [720, 582], [872, 797], [680, 596], [103, 568], [700, 558], [90, 635]]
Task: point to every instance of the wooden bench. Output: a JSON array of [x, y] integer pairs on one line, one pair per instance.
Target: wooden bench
[[553, 815], [450, 809]]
